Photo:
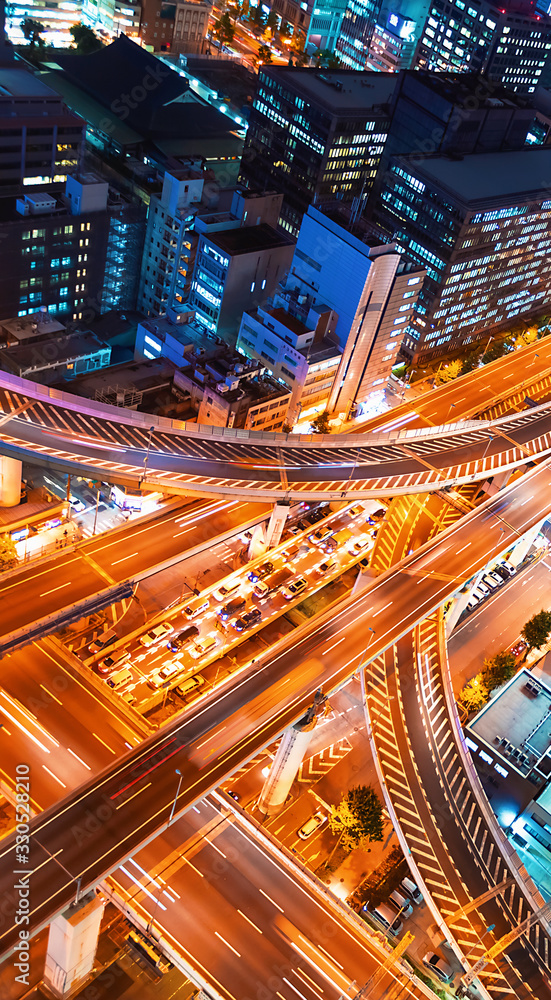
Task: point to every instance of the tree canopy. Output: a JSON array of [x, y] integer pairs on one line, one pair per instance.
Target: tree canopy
[[33, 30], [536, 630], [223, 29], [449, 372], [8, 553], [85, 39], [498, 669], [358, 818], [320, 424], [264, 54]]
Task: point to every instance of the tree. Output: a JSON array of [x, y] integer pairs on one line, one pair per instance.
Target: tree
[[223, 30], [498, 669], [320, 424], [358, 818], [474, 694], [449, 373], [85, 39], [264, 54], [8, 553], [32, 31], [325, 59], [537, 629], [272, 21], [257, 19]]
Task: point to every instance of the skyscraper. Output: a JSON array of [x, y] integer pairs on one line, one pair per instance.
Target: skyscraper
[[480, 224]]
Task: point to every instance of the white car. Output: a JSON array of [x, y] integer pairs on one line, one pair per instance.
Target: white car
[[438, 966], [165, 674], [156, 634], [358, 545], [203, 647], [312, 824]]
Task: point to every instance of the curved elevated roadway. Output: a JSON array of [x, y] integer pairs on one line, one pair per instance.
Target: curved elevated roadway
[[100, 824], [42, 425]]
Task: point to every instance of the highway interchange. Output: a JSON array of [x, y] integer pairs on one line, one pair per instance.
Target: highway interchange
[[215, 737]]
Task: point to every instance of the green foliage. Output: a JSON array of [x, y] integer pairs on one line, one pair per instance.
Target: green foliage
[[325, 59], [358, 818], [474, 695], [449, 372], [257, 19], [536, 630], [264, 54], [223, 29], [8, 553], [85, 39], [32, 30], [272, 21], [320, 424], [498, 669]]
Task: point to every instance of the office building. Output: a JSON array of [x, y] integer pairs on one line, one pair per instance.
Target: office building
[[327, 137], [56, 16], [334, 328], [112, 17], [41, 141], [511, 47], [239, 261], [47, 360], [169, 242], [157, 24], [480, 225], [190, 26], [232, 391], [325, 24], [356, 31]]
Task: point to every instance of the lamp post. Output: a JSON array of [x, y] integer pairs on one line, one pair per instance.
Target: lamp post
[[146, 459], [490, 439], [180, 779]]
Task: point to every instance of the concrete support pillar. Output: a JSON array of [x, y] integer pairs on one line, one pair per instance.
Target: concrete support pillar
[[10, 481], [72, 946], [277, 524], [257, 544], [460, 603], [524, 543], [289, 757], [363, 579]]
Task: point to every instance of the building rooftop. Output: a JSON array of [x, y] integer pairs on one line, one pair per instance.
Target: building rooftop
[[18, 82], [249, 239], [485, 177], [28, 356], [38, 324], [287, 319], [323, 350], [337, 90]]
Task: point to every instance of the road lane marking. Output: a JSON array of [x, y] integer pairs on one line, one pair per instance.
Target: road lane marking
[[50, 695], [76, 756], [272, 901], [115, 562], [105, 744], [245, 917], [126, 801], [194, 868], [228, 944], [54, 776], [53, 590]]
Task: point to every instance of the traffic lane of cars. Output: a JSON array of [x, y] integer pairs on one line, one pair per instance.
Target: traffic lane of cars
[[242, 610]]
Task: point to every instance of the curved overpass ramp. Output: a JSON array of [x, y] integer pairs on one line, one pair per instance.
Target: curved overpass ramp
[[42, 425]]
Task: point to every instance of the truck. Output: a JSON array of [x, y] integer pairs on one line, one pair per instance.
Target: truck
[[263, 588], [337, 540]]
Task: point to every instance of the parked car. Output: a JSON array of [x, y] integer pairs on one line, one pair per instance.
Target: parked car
[[113, 661], [438, 965], [247, 620], [311, 825], [410, 888], [519, 647], [156, 634], [295, 588], [182, 638]]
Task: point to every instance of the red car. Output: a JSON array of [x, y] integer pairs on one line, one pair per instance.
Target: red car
[[518, 648]]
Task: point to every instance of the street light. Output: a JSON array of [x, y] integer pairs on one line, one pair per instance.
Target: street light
[[181, 777], [490, 439], [145, 461]]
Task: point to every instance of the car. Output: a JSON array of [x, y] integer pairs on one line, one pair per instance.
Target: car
[[156, 634], [295, 588], [203, 647], [495, 577], [356, 510], [326, 567], [508, 566], [233, 795], [227, 591], [319, 536], [490, 582], [311, 825], [247, 620], [410, 888], [232, 608], [358, 545], [113, 661], [502, 572], [182, 638], [166, 673], [442, 970], [260, 572], [377, 515], [519, 647], [330, 544]]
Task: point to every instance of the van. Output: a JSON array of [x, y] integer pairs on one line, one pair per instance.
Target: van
[[191, 684], [387, 918], [402, 904], [103, 640], [120, 679], [227, 590], [195, 609], [409, 888], [203, 647]]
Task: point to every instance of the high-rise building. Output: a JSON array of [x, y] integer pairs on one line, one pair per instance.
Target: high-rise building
[[334, 327], [480, 225], [323, 137], [191, 25], [325, 24], [356, 31], [112, 17], [512, 46]]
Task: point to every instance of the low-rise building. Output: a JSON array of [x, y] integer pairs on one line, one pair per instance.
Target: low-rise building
[[229, 391], [191, 26], [47, 359]]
